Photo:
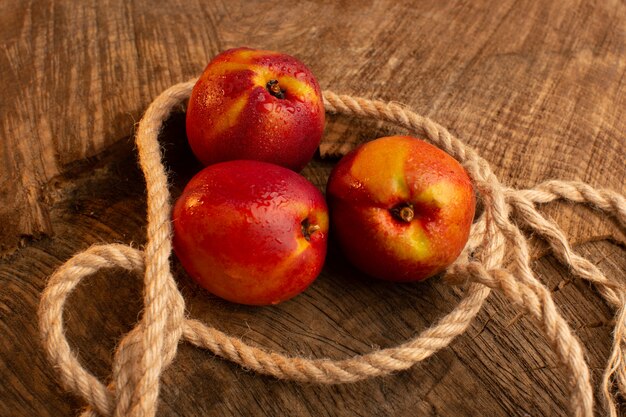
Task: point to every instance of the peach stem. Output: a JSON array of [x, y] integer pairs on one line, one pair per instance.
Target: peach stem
[[274, 88], [308, 229], [404, 213]]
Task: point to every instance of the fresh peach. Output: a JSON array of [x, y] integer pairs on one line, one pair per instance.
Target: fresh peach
[[400, 208], [251, 232], [255, 104]]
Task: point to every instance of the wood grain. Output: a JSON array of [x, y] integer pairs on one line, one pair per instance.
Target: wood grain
[[539, 88]]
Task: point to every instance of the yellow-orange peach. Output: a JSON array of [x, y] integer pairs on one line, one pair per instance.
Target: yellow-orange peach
[[400, 208]]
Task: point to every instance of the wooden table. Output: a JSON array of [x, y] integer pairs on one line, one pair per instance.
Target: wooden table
[[538, 88]]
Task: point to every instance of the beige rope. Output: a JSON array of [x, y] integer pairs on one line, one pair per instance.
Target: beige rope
[[496, 257]]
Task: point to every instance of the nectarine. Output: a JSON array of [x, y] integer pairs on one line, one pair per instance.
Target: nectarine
[[400, 208], [251, 232], [255, 104]]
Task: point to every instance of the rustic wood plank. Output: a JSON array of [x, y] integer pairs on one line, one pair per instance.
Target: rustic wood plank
[[537, 87]]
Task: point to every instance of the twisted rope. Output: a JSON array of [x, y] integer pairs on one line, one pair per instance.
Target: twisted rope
[[495, 240]]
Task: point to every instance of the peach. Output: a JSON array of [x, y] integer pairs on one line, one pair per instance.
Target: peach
[[251, 232], [255, 104], [400, 208]]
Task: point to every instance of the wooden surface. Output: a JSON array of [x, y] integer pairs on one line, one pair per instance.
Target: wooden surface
[[539, 88]]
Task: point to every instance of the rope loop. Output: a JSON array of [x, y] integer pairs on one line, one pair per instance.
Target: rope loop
[[496, 257]]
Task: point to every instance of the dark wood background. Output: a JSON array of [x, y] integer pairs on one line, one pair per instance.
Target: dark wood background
[[539, 88]]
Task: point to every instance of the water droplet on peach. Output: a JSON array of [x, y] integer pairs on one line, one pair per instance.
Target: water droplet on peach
[[265, 107]]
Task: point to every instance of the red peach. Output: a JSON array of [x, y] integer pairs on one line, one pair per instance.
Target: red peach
[[255, 104], [251, 232]]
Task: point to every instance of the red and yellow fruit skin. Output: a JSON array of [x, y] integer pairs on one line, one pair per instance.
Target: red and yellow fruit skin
[[232, 115], [238, 231], [388, 173]]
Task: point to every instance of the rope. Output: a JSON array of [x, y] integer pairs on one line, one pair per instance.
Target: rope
[[495, 258]]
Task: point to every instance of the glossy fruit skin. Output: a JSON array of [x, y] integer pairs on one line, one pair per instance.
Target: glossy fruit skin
[[233, 115], [390, 173], [238, 231]]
